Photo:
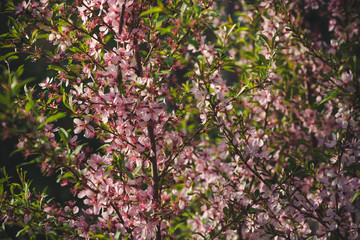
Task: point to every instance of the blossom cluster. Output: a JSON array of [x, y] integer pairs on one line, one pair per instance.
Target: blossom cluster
[[213, 120]]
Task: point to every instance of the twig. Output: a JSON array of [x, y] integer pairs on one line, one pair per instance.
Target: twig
[[153, 159]]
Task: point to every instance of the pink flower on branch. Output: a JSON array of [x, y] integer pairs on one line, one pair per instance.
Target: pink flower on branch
[[84, 126], [152, 112], [210, 134]]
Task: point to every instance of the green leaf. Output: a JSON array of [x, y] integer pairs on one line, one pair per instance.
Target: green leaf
[[183, 8], [241, 29], [29, 105], [126, 237], [226, 212], [71, 102], [228, 68], [7, 46], [137, 169], [42, 36], [169, 61], [104, 146], [22, 231], [166, 30], [16, 151], [77, 150], [152, 10], [257, 193], [74, 69], [64, 100], [64, 135], [243, 15], [53, 118], [355, 196], [1, 187], [20, 84], [231, 29], [266, 39], [68, 175], [97, 235], [117, 235], [7, 55], [14, 57], [193, 42], [129, 174], [56, 68], [332, 95], [108, 168]]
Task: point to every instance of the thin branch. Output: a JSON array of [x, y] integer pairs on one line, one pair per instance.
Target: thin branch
[[122, 18], [173, 157], [153, 160]]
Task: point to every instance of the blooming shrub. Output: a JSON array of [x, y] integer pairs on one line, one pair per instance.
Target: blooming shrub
[[215, 119]]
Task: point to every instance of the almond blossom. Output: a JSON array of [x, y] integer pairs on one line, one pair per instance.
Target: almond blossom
[[208, 120], [84, 125]]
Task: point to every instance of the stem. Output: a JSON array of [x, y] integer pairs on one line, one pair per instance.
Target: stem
[[224, 228], [122, 18], [121, 219], [87, 33], [153, 159], [243, 160], [154, 172], [139, 69], [173, 157], [306, 43]]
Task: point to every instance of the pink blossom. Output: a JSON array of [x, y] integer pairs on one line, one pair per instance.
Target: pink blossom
[[81, 126], [333, 141]]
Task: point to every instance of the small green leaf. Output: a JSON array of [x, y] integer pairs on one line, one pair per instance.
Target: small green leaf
[[53, 118], [266, 39], [231, 29], [77, 150], [129, 174], [7, 46], [68, 175], [355, 196], [243, 15], [7, 55], [107, 169], [74, 69], [331, 96], [169, 61], [64, 100], [64, 135], [29, 105], [98, 236], [152, 10], [104, 146], [22, 231], [257, 193], [42, 36], [1, 188], [137, 169], [226, 212], [183, 8], [193, 42], [21, 84], [117, 235], [71, 102], [56, 68]]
